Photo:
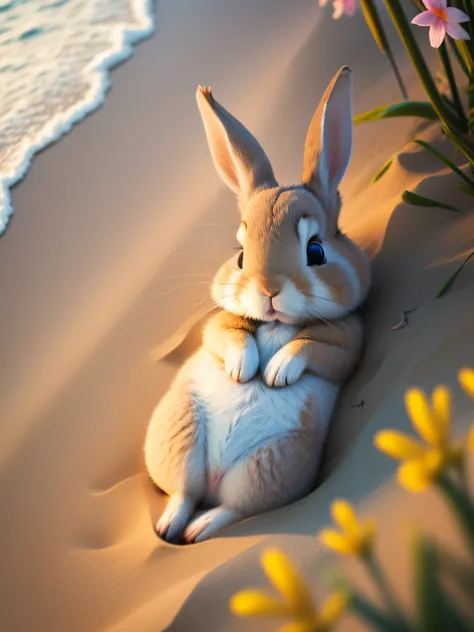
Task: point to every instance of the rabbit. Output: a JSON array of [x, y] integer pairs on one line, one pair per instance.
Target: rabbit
[[241, 429]]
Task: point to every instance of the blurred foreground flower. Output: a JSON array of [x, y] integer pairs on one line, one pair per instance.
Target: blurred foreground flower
[[295, 603], [466, 379], [355, 538], [442, 19], [422, 464], [341, 7]]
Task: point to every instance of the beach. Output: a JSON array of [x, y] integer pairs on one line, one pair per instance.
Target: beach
[[114, 217]]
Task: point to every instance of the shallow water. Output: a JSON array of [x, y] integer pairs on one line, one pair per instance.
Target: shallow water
[[54, 57]]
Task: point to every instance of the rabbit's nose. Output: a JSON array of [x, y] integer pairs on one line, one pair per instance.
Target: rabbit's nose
[[267, 291]]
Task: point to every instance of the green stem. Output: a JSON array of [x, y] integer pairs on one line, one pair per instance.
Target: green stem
[[469, 9], [449, 123], [403, 27], [465, 53], [457, 53], [448, 69], [419, 5], [380, 580], [470, 100], [462, 476], [462, 506]]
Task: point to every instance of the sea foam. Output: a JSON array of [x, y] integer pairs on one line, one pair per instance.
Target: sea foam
[[54, 62]]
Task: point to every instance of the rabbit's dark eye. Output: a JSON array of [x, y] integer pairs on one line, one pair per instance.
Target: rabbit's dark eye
[[315, 254], [240, 260]]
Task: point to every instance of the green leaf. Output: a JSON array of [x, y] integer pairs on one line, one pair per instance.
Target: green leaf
[[372, 18], [463, 49], [470, 95], [381, 172], [459, 501], [365, 610], [374, 23], [420, 200], [461, 61], [449, 104], [446, 161], [455, 102], [467, 189], [435, 610], [372, 615], [453, 277], [459, 570], [422, 109]]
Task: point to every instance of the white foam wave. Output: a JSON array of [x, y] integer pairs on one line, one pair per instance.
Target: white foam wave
[[54, 62]]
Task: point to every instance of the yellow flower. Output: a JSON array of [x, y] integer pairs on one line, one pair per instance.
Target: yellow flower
[[423, 463], [354, 538], [295, 602], [466, 379]]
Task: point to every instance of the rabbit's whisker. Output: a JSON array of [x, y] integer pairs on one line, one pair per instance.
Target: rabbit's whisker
[[214, 225], [185, 276], [194, 284], [212, 302], [182, 287], [323, 298], [202, 257]]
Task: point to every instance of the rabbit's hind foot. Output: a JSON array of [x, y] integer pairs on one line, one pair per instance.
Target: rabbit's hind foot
[[209, 523], [175, 517]]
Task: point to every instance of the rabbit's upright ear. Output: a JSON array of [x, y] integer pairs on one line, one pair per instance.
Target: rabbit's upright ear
[[329, 141], [238, 157]]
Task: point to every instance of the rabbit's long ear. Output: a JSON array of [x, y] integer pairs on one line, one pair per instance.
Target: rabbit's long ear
[[238, 157], [329, 141]]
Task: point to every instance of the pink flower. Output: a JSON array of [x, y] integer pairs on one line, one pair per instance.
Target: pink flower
[[340, 7], [441, 20]]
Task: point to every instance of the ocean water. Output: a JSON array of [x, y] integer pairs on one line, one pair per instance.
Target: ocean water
[[54, 62]]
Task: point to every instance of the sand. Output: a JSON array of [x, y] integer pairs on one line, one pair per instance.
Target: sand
[[102, 221]]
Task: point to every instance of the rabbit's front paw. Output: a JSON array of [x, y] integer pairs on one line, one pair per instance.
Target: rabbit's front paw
[[241, 363], [284, 369]]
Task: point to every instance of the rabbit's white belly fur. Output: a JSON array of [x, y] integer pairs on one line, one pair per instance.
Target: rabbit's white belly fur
[[240, 418]]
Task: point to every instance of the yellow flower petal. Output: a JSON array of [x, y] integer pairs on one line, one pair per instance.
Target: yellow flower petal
[[434, 461], [286, 579], [466, 379], [255, 603], [470, 439], [422, 418], [415, 476], [398, 446], [343, 514], [339, 542], [441, 400], [333, 607]]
